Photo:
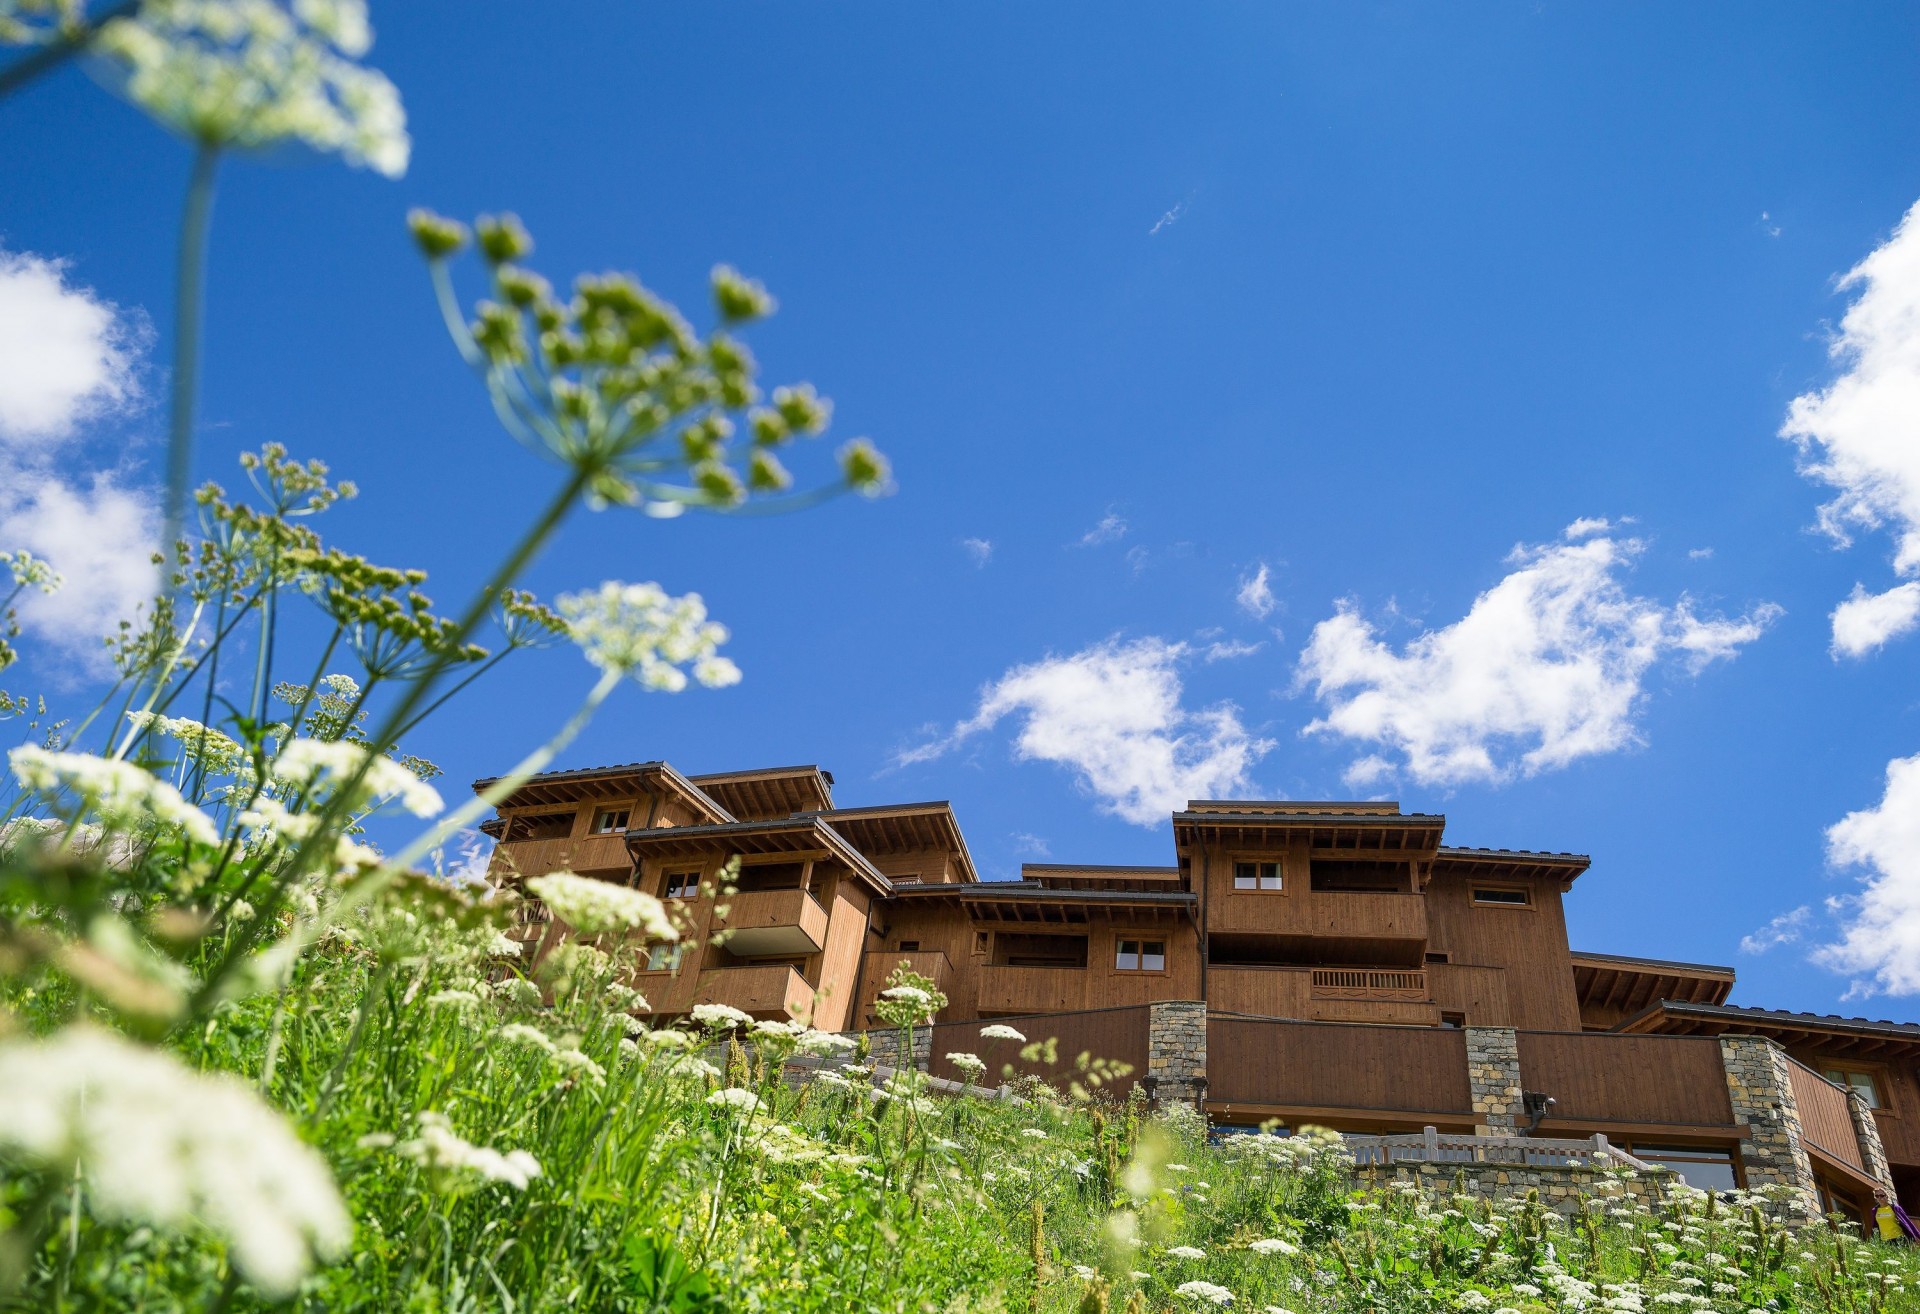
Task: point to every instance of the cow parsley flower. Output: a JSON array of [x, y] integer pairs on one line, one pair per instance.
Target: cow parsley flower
[[668, 1038], [824, 1043], [251, 74], [124, 796], [439, 1148], [742, 1101], [1186, 1252], [971, 1064], [576, 1064], [1205, 1292], [720, 1017], [1000, 1031], [591, 906], [1273, 1245], [317, 762], [201, 745], [162, 1146], [640, 631], [522, 1034]]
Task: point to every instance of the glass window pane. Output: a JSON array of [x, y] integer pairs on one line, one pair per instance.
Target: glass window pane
[[1153, 956], [1702, 1169], [1246, 876]]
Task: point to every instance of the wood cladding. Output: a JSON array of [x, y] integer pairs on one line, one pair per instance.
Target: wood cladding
[[1117, 1035], [1824, 1121], [1321, 1065], [1600, 1078]]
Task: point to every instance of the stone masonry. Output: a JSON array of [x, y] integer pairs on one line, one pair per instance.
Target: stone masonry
[[1773, 1153], [1177, 1053], [1565, 1190], [1493, 1077], [1866, 1130]]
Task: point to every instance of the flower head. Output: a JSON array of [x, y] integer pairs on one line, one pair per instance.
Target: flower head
[[163, 1146], [439, 1148], [641, 631], [741, 1101], [591, 906], [252, 74], [999, 1031], [1205, 1292], [329, 764], [720, 1017], [125, 796]]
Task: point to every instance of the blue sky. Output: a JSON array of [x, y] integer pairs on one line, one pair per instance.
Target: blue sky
[[1362, 295]]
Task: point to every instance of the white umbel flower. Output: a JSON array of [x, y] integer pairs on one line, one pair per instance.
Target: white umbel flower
[[334, 761], [157, 1144], [440, 1148], [741, 1101], [591, 906], [1000, 1031], [1204, 1292], [247, 73], [641, 631], [1273, 1245], [721, 1017], [123, 795]]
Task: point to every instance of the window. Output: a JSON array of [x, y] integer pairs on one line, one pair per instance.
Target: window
[[909, 946], [664, 957], [1705, 1168], [1024, 949], [1453, 1021], [1861, 1082], [683, 884], [1256, 875], [1507, 896], [1141, 956], [1439, 958], [980, 941], [609, 821]]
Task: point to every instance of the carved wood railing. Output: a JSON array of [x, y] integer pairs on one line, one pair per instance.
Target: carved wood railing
[[1369, 983]]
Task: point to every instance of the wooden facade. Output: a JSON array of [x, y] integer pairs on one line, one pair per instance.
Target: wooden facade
[[1342, 949]]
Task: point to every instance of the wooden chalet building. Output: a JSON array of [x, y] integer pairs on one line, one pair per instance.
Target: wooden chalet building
[[1340, 963]]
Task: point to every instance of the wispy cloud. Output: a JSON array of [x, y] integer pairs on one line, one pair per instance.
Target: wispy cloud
[[1229, 649], [1880, 937], [980, 549], [1255, 594], [1784, 929], [1856, 435], [1030, 846], [1171, 217], [1700, 554], [1767, 225], [1111, 529], [1113, 715], [1546, 667]]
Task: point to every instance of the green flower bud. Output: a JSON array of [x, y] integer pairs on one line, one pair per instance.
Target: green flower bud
[[498, 332], [765, 474], [738, 297], [802, 409], [729, 355], [720, 484], [769, 430], [437, 236], [865, 469], [502, 238], [520, 286]]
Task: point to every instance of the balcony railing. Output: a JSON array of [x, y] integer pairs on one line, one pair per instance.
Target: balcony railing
[[930, 963], [1369, 983], [762, 922], [540, 856], [775, 990], [1005, 989]]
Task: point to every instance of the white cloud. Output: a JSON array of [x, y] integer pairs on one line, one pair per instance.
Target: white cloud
[[1700, 554], [1768, 226], [99, 535], [1112, 713], [468, 866], [1111, 529], [67, 357], [1545, 668], [980, 549], [1784, 929], [1587, 527], [1866, 621], [1858, 435], [1255, 595], [1881, 935], [65, 354], [1138, 558], [1171, 217], [1030, 846]]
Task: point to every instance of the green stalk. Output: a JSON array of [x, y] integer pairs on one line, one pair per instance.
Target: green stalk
[[189, 292]]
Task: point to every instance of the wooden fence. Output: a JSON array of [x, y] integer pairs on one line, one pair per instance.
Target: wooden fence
[[1274, 1062], [1600, 1077]]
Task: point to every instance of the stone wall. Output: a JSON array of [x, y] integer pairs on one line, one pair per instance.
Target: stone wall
[[1493, 1076], [1561, 1189], [1177, 1053], [1773, 1153], [1866, 1129]]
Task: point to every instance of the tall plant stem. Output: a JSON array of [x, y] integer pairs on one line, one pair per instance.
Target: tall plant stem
[[189, 293]]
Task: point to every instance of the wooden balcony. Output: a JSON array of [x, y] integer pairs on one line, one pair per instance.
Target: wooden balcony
[[1369, 983], [775, 990], [930, 963], [1031, 989], [1377, 926], [1337, 994], [595, 853], [1824, 1120], [767, 922]]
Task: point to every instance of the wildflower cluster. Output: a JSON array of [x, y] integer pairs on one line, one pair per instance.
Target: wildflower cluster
[[638, 630]]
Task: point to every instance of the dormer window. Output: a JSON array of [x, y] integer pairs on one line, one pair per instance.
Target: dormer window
[[1256, 875], [610, 821]]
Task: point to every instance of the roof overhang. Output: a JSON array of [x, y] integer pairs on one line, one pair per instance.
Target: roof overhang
[[1512, 864], [902, 828], [795, 835], [1082, 876], [1617, 982], [1019, 901], [561, 788], [770, 792], [1849, 1037], [1361, 828]]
